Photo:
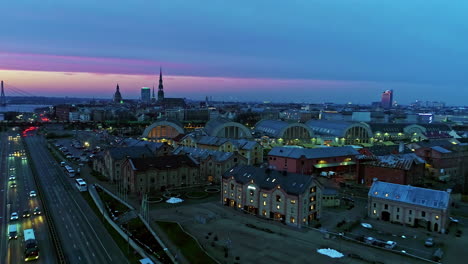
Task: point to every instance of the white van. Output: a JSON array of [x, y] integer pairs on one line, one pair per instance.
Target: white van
[[63, 163]]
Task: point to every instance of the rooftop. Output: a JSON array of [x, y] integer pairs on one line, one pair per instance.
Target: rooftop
[[410, 194], [314, 153], [269, 179]]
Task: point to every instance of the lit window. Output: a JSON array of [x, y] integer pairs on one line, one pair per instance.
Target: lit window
[[251, 200], [304, 220], [375, 193], [239, 205], [265, 195], [312, 207], [292, 220], [312, 190], [278, 198], [386, 195], [264, 203], [225, 191], [312, 198], [232, 194], [375, 212], [264, 213], [437, 217], [277, 207], [239, 196], [293, 201]]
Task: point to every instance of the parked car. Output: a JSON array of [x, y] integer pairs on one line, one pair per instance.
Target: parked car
[[429, 242], [32, 194]]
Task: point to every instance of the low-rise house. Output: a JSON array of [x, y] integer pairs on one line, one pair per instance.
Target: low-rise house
[[212, 163], [409, 205], [293, 199], [157, 174]]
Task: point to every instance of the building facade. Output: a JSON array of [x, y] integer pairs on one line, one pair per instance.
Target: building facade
[[213, 164], [316, 160], [153, 175], [292, 199], [408, 205]]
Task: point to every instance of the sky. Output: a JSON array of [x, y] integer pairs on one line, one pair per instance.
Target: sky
[[297, 50]]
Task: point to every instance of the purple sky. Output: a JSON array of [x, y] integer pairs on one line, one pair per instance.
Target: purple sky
[[303, 50]]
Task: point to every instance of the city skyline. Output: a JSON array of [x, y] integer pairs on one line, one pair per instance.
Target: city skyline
[[239, 51]]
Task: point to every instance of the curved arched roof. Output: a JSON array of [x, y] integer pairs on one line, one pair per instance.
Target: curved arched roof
[[277, 128], [214, 126], [165, 122], [336, 128]]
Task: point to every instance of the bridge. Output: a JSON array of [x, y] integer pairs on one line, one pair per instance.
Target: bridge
[[14, 91]]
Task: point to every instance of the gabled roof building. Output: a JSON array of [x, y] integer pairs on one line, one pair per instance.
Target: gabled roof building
[[409, 205], [290, 198]]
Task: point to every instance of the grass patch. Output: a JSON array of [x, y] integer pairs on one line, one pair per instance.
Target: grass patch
[[119, 240], [187, 245], [142, 236]]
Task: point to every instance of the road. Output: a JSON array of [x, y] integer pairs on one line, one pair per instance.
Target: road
[[84, 238], [17, 200]]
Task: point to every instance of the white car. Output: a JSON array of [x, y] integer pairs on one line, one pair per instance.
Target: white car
[[32, 194], [14, 216], [12, 178], [366, 225]]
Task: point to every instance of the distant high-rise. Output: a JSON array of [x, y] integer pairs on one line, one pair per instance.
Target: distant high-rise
[[146, 95], [2, 97], [387, 99], [160, 87], [153, 97], [117, 96]]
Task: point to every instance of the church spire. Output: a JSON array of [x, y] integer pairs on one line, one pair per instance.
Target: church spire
[[160, 87]]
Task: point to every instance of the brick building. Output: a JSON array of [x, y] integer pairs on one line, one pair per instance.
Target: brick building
[[395, 168], [290, 198], [148, 175], [316, 160]]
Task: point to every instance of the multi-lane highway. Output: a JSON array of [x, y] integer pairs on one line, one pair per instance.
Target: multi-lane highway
[[15, 197], [83, 236]]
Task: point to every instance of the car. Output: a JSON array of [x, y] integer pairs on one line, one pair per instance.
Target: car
[[26, 214], [429, 242], [32, 194], [369, 240], [37, 211], [453, 220], [390, 244], [13, 185], [14, 216], [12, 178], [81, 164], [366, 225], [23, 158]]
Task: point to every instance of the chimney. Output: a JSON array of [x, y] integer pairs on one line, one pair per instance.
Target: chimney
[[401, 148]]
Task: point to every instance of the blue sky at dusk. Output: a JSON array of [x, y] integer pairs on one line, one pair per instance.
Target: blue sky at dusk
[[300, 50]]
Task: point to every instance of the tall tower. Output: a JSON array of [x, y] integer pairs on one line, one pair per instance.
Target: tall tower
[[160, 87], [153, 97], [117, 95], [2, 97]]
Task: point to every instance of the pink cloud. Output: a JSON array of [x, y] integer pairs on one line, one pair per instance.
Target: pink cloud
[[98, 65]]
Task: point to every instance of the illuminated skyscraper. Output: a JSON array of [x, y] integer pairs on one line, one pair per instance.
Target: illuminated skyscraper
[[387, 99], [146, 95]]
